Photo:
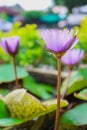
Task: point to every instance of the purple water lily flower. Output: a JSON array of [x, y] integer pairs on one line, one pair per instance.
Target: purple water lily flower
[[58, 41], [11, 45], [72, 57]]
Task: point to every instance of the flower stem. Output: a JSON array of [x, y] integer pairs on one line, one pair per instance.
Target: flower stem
[[67, 84], [15, 72], [58, 95]]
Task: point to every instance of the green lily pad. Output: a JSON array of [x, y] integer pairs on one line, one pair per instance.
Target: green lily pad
[[6, 122], [77, 82], [77, 116], [22, 105], [3, 110], [7, 73], [81, 95]]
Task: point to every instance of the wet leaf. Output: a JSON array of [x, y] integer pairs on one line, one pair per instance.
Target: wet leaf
[[81, 95]]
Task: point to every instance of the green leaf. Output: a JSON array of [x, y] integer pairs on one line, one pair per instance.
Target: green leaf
[[41, 90], [22, 105], [7, 73], [47, 88], [81, 95], [77, 82], [10, 122], [77, 116], [3, 110], [4, 92]]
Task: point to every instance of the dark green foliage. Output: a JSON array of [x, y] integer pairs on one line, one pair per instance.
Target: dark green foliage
[[75, 3], [70, 3], [59, 2], [32, 15]]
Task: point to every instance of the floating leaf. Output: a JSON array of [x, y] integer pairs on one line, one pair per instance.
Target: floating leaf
[[3, 110], [41, 90], [24, 106], [10, 122], [81, 95], [77, 82], [7, 73], [77, 116]]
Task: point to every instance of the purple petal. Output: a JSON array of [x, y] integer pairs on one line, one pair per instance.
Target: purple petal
[[11, 42], [72, 57], [58, 40], [50, 38]]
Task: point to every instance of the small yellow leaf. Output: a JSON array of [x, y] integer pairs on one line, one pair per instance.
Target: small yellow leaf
[[80, 96], [63, 103], [52, 105]]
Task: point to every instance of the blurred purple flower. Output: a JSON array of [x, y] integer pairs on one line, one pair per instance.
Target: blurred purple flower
[[58, 41], [72, 57], [11, 45]]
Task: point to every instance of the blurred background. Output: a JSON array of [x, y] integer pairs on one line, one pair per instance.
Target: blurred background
[[25, 18], [47, 13]]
